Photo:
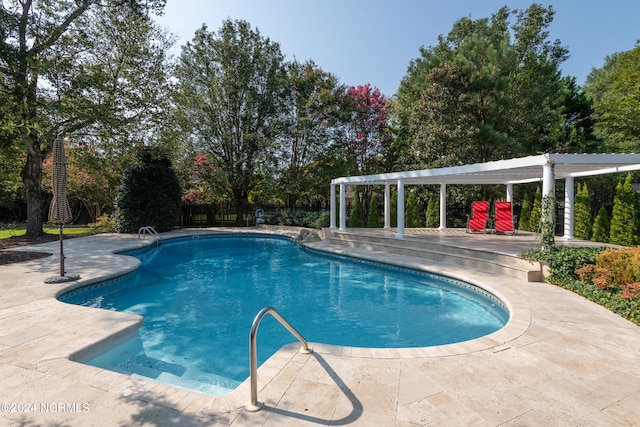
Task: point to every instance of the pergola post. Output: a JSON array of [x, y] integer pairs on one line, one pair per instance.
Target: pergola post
[[387, 206], [343, 208], [547, 192], [443, 206], [332, 207], [509, 192], [400, 229], [568, 208]]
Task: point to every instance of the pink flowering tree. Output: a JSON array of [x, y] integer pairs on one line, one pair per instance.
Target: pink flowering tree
[[367, 134], [203, 181], [367, 130]]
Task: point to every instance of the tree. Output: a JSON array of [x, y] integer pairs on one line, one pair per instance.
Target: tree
[[525, 214], [42, 45], [601, 226], [614, 91], [310, 120], [357, 219], [432, 215], [394, 208], [536, 212], [150, 194], [373, 219], [484, 92], [231, 94], [413, 210], [623, 229], [583, 221]]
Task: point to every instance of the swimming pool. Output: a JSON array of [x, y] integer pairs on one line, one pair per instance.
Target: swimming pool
[[199, 297]]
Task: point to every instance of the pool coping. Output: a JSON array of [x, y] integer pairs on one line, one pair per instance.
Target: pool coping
[[46, 349]]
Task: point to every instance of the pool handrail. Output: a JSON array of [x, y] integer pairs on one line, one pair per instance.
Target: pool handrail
[[148, 229], [253, 405]]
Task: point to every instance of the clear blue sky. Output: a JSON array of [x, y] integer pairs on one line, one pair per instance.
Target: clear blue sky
[[373, 41]]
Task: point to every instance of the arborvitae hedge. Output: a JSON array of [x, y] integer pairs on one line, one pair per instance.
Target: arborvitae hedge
[[525, 214], [536, 212], [432, 216], [413, 211], [623, 218], [373, 220], [149, 194], [394, 208], [601, 226], [582, 219], [357, 219]]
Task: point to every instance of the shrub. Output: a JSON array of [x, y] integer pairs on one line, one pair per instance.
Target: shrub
[[536, 212], [299, 218], [583, 221], [623, 218], [356, 220], [525, 214], [432, 216], [601, 226], [373, 220], [413, 211], [149, 194], [394, 208]]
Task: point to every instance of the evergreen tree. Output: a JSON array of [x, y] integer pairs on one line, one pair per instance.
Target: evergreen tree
[[356, 220], [582, 219], [394, 208], [536, 212], [373, 220], [623, 218], [525, 214], [601, 226], [432, 219], [150, 194], [413, 211]]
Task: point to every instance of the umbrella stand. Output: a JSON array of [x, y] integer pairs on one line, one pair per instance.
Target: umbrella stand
[[61, 250]]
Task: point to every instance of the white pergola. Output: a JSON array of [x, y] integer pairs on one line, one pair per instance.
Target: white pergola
[[546, 168]]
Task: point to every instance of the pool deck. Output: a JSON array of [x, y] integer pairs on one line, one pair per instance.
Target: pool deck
[[560, 361]]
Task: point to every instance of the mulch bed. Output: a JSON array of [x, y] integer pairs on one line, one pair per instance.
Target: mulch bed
[[7, 256]]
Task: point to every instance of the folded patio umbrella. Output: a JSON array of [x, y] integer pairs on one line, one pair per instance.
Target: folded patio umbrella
[[60, 210]]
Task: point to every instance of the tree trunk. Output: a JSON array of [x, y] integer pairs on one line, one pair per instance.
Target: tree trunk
[[32, 180]]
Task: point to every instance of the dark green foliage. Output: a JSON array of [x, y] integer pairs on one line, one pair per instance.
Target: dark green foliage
[[525, 214], [299, 219], [149, 194], [536, 212], [413, 211], [356, 220], [373, 220], [432, 216], [582, 219], [601, 226], [623, 218], [394, 208], [563, 261]]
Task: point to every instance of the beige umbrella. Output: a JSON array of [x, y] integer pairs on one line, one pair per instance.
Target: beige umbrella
[[60, 211]]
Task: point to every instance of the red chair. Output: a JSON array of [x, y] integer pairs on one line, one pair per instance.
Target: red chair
[[477, 221], [505, 222]]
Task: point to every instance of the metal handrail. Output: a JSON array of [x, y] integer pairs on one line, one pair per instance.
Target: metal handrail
[[142, 232], [253, 404]]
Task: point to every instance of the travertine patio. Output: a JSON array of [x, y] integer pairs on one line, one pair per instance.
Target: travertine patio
[[561, 360]]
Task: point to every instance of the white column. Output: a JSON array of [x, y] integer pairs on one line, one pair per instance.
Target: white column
[[509, 192], [387, 206], [343, 208], [568, 208], [547, 190], [400, 229], [332, 207], [443, 206]]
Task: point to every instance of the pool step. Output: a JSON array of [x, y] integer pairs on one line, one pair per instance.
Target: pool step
[[505, 264]]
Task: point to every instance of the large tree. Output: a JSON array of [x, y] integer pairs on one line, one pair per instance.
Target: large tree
[[615, 92], [230, 91], [487, 90], [43, 44], [309, 126]]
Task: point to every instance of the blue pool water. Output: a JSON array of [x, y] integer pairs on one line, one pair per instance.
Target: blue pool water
[[200, 296]]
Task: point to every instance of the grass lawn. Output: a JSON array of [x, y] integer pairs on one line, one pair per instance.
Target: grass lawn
[[11, 230]]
